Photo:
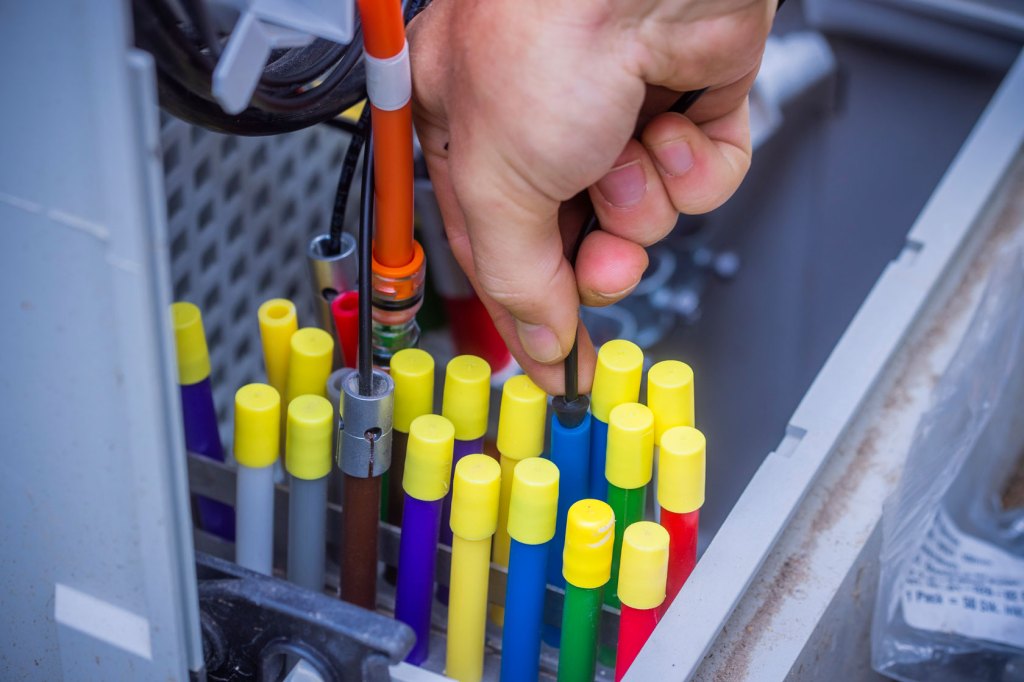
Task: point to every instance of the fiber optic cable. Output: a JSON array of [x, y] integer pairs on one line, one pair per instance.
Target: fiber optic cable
[[642, 577], [570, 452], [390, 89], [345, 311], [617, 379], [628, 471], [398, 265], [199, 415], [308, 462], [680, 496], [278, 322], [465, 403], [533, 504], [256, 447], [474, 517], [520, 437], [427, 474], [589, 537], [670, 397], [412, 370]]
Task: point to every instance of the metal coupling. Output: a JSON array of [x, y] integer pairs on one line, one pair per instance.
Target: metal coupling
[[364, 435], [331, 273]]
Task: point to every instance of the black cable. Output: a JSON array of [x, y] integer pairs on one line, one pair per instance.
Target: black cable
[[345, 125], [182, 102], [572, 360], [345, 178], [302, 97], [571, 364], [196, 11], [366, 202], [301, 65]]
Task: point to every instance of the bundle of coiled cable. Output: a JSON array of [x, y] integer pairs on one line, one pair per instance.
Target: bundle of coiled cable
[[299, 87]]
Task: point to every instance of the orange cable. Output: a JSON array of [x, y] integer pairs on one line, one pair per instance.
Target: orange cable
[[383, 27], [384, 36]]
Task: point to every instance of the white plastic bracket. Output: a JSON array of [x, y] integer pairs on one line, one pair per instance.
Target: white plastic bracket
[[266, 25]]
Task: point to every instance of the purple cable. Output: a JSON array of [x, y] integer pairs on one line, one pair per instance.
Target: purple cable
[[462, 448], [203, 438], [417, 554]]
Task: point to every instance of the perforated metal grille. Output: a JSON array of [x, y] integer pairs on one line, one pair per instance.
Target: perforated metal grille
[[240, 212]]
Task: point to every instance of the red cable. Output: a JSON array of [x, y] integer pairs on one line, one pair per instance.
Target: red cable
[[635, 627], [474, 333], [345, 310], [682, 550]]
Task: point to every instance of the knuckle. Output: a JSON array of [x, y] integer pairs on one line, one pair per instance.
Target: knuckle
[[516, 292]]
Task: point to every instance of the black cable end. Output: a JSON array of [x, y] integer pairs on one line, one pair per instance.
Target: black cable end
[[570, 413]]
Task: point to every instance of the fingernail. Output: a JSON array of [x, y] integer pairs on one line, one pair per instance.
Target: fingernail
[[623, 186], [618, 294], [539, 342], [675, 158]]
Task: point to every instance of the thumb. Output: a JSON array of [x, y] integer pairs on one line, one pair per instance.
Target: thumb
[[512, 228]]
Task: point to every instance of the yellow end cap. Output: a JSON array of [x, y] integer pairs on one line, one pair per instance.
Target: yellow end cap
[[534, 503], [257, 425], [681, 470], [589, 540], [670, 395], [643, 568], [412, 370], [309, 364], [467, 395], [190, 342], [308, 437], [630, 453], [428, 457], [278, 321], [475, 493], [521, 420], [620, 366]]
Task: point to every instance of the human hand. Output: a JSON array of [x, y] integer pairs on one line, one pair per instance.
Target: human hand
[[521, 105]]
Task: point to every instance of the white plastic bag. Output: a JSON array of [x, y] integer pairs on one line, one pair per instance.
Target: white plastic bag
[[950, 602]]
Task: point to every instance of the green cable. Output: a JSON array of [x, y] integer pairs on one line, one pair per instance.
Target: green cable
[[628, 505], [581, 617]]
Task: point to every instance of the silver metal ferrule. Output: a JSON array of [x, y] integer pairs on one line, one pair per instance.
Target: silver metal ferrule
[[364, 436], [331, 273]]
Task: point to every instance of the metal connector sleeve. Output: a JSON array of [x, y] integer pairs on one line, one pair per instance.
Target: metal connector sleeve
[[364, 437], [331, 273]]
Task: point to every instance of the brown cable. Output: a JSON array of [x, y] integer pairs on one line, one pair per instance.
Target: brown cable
[[358, 560]]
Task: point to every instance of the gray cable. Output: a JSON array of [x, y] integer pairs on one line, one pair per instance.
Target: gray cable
[[307, 532], [254, 525]]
